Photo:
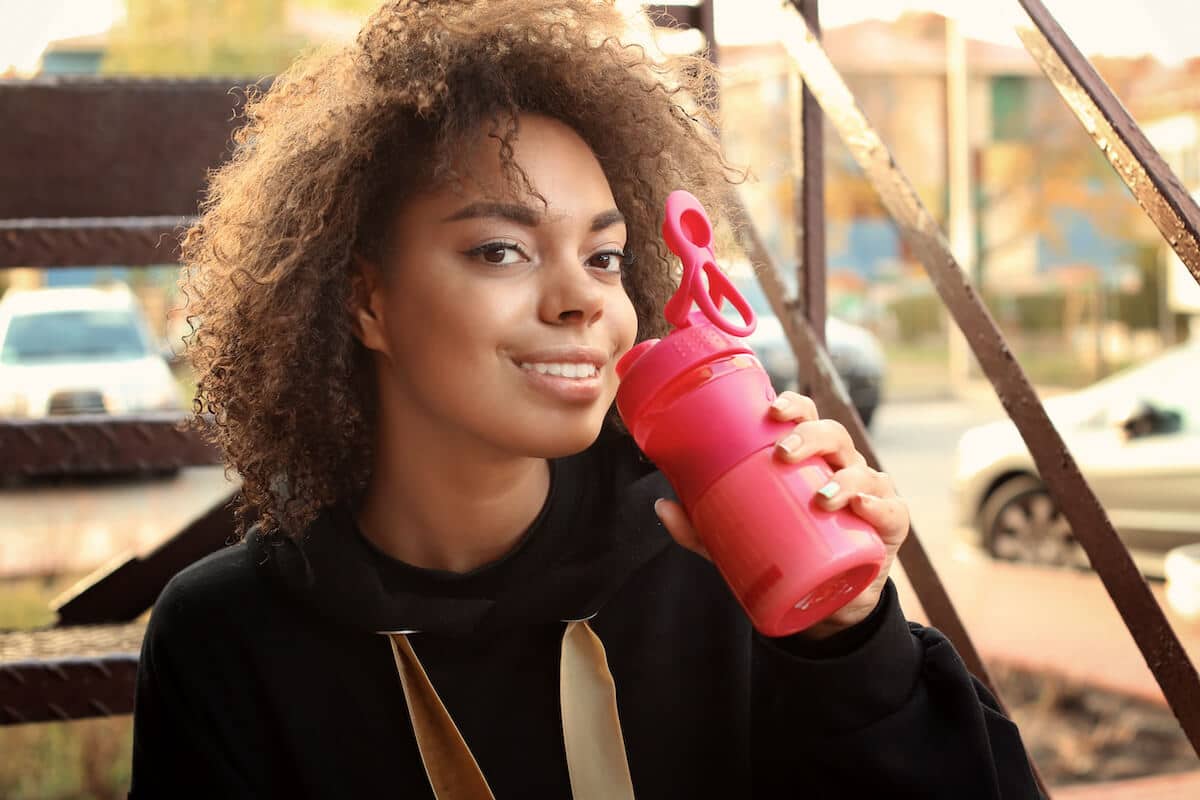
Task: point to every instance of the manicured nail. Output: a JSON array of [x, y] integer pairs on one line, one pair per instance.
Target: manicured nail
[[658, 503], [780, 403], [829, 490], [790, 443]]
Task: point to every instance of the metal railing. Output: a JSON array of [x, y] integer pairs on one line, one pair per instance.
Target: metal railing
[[50, 218]]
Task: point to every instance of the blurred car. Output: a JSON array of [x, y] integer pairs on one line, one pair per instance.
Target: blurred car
[[1135, 437], [80, 351], [856, 353]]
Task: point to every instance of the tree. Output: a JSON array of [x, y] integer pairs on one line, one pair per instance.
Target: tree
[[203, 37]]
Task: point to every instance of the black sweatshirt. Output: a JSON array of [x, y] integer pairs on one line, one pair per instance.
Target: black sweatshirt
[[264, 672]]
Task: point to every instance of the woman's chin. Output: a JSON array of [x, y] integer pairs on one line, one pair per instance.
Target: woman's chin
[[557, 441]]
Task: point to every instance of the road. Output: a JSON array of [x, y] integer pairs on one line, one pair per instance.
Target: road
[[915, 443], [73, 528]]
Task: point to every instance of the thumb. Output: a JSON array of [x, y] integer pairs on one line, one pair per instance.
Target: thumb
[[676, 521]]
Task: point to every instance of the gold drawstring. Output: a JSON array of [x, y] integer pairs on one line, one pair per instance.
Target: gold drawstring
[[592, 736]]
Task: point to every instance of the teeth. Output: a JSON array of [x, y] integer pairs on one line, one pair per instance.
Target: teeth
[[564, 370]]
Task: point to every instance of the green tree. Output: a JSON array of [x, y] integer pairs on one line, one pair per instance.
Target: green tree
[[203, 37]]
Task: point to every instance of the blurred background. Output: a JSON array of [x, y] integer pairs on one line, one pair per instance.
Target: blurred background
[[1097, 308]]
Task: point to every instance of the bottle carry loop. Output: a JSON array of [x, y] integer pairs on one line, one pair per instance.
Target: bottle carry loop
[[592, 736]]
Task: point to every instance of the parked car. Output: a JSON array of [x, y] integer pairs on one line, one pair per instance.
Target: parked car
[[1136, 438], [80, 351], [856, 353]]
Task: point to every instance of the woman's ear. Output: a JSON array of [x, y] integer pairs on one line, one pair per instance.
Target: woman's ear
[[367, 304]]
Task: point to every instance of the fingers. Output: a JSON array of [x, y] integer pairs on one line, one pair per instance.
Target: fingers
[[676, 521], [820, 437], [792, 407], [871, 495]]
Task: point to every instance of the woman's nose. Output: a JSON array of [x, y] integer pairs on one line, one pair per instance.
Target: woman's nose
[[571, 294]]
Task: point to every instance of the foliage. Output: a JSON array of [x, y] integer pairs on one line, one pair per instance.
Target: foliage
[[203, 37]]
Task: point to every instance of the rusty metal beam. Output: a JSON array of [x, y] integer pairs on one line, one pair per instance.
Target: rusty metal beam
[[121, 593], [98, 444], [810, 232], [112, 147], [829, 396], [66, 242], [1138, 608], [675, 15], [66, 689], [833, 403], [1160, 194], [68, 673]]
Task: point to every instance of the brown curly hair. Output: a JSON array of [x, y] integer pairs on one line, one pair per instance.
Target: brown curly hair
[[328, 153]]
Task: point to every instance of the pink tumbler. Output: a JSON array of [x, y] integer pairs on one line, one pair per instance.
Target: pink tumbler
[[696, 403]]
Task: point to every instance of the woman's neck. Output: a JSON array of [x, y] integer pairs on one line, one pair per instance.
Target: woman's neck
[[436, 507]]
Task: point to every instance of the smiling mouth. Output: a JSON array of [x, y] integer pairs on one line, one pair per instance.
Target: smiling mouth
[[578, 371]]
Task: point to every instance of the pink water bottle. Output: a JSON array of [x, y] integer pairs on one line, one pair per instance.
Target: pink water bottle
[[696, 403]]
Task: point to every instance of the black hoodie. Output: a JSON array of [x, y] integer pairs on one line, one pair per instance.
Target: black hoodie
[[265, 671]]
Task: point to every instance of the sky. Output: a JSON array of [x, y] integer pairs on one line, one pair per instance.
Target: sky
[[1163, 27]]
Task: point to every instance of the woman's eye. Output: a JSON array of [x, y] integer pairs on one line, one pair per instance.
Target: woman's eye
[[498, 253], [610, 260]]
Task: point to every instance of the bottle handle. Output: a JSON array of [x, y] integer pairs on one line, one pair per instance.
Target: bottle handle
[[688, 233]]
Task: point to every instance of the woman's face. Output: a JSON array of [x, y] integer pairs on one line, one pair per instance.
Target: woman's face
[[498, 320]]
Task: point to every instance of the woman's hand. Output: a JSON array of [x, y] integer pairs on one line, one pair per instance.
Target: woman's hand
[[868, 493]]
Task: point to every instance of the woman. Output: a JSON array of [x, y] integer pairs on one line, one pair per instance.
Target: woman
[[414, 279]]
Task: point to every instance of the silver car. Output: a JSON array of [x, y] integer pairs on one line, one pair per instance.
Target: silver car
[[1136, 438]]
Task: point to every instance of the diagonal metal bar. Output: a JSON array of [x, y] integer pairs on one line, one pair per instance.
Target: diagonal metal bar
[[100, 444], [835, 404], [84, 241], [1158, 191], [675, 15], [831, 399], [810, 233], [1159, 645], [120, 593]]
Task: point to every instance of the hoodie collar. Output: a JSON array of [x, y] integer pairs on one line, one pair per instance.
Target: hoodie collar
[[596, 528]]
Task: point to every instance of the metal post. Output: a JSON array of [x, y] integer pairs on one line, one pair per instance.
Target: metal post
[[810, 233]]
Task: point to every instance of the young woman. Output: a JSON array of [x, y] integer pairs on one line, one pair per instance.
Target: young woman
[[412, 283]]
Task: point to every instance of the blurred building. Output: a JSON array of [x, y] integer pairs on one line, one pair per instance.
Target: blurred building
[[1040, 196]]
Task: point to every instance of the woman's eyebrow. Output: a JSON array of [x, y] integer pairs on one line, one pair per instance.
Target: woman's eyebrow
[[515, 212], [607, 218]]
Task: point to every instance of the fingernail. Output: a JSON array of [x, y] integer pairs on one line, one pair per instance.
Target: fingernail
[[780, 403], [866, 499], [790, 443], [829, 490], [657, 503]]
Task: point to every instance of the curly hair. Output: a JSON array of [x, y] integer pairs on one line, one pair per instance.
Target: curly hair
[[337, 143]]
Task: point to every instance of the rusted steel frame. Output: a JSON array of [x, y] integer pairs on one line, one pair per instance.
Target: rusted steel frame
[[109, 147], [100, 444], [1159, 192], [121, 593], [57, 690], [81, 242], [675, 15], [1138, 608], [68, 673], [834, 404], [810, 230]]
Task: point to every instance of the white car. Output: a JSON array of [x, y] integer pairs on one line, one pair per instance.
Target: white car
[[80, 351], [1135, 437]]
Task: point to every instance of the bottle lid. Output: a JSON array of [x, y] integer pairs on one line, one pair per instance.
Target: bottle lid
[[688, 234], [699, 335]]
